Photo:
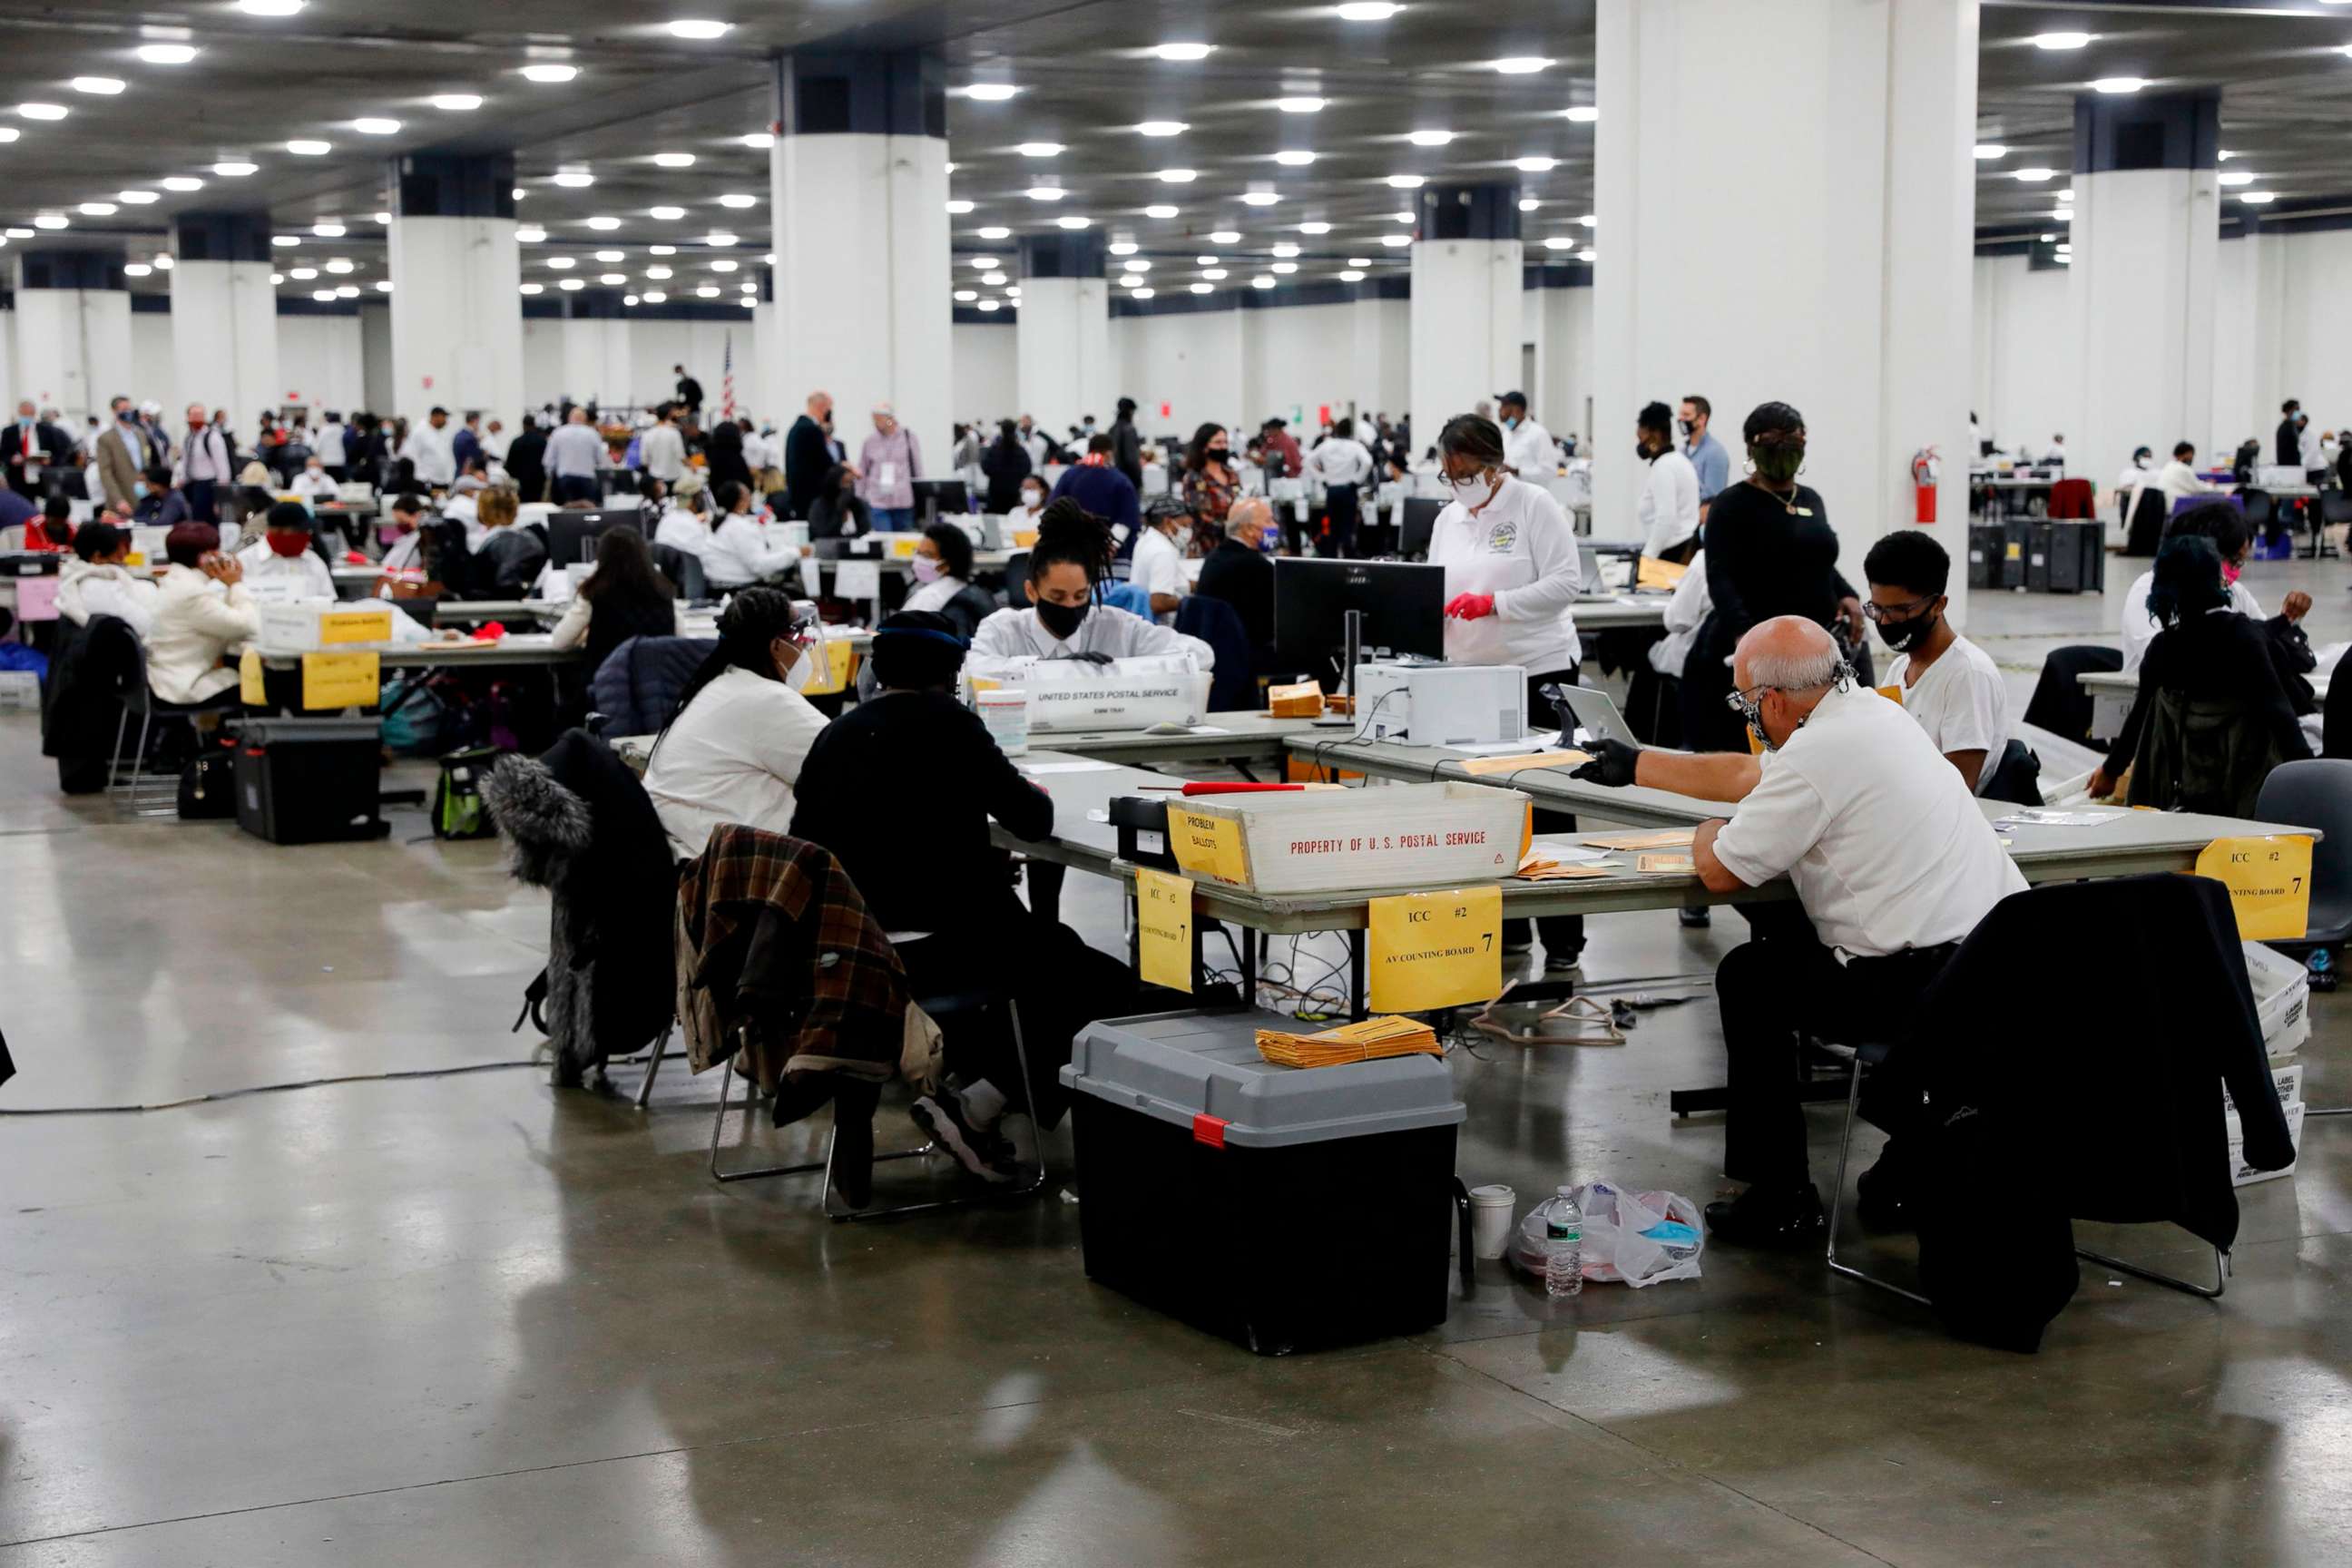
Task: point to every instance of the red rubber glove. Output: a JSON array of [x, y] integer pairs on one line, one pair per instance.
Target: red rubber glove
[[1471, 607]]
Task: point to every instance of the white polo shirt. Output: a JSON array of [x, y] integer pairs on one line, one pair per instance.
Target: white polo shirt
[[1520, 548], [1528, 447], [1887, 849], [1158, 568], [1669, 510], [1960, 702]]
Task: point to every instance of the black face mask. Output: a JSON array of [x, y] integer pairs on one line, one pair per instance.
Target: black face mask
[[1642, 450], [1061, 620], [1902, 636], [1684, 426]]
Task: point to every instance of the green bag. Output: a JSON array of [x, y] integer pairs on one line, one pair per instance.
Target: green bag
[[457, 809]]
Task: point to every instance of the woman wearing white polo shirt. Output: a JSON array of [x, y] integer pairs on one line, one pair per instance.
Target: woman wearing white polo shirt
[[1511, 581]]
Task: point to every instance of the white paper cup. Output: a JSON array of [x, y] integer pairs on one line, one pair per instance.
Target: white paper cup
[[1491, 1208]]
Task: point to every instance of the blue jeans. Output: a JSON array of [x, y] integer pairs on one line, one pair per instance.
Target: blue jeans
[[894, 519], [575, 487]]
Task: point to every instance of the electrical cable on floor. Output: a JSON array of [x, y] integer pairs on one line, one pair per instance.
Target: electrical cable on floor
[[228, 1094]]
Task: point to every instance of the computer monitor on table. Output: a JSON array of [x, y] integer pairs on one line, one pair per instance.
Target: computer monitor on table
[[934, 497], [1420, 523], [572, 536], [1404, 607]]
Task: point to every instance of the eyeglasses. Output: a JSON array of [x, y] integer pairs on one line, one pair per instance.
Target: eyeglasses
[[1883, 613], [1746, 703]]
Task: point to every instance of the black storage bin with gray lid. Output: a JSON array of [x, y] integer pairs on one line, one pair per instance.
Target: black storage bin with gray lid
[[308, 781], [1283, 1209]]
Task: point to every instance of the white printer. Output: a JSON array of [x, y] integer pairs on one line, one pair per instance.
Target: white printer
[[1434, 704]]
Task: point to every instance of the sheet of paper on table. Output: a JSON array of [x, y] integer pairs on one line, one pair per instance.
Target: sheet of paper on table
[[1535, 742], [1664, 839], [1486, 767], [1566, 852], [2037, 816], [1085, 765]]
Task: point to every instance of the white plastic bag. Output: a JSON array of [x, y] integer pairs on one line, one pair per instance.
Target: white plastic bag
[[1635, 1238]]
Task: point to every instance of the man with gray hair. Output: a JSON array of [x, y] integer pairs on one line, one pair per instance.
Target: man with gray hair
[[1894, 865], [1237, 572]]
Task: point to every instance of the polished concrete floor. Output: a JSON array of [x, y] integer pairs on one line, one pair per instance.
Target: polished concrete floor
[[467, 1319]]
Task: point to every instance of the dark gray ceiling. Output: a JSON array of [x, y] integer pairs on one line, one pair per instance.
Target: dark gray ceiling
[[1086, 80]]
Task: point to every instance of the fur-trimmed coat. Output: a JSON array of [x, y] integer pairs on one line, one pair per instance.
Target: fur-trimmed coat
[[577, 823]]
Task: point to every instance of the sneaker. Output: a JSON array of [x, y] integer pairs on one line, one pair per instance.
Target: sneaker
[[1519, 949], [983, 1103], [1777, 1218], [1571, 965], [942, 1119], [1695, 919]]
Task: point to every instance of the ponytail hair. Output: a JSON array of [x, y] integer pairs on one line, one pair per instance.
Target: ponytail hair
[[748, 628], [1069, 532]]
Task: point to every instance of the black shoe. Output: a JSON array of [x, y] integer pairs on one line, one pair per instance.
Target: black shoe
[[1884, 1200], [854, 1100], [1769, 1216], [984, 1154], [1695, 920]]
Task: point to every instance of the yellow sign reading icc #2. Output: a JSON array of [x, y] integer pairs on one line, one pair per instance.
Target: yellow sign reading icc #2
[[2269, 880], [1163, 924], [1435, 950]]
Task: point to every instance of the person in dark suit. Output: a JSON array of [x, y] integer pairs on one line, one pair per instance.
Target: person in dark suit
[[689, 392], [2290, 435], [43, 443], [1237, 572], [1126, 445], [1006, 464], [527, 460], [808, 456]]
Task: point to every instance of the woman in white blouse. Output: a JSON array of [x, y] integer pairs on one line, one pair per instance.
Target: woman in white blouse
[[743, 729]]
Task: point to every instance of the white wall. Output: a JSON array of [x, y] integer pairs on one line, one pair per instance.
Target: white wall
[[984, 376], [555, 354], [152, 375], [2315, 325], [1301, 358], [320, 363], [1191, 362], [1561, 326], [2025, 384]]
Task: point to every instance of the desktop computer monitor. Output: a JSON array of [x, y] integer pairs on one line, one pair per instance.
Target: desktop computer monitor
[[572, 536], [934, 497], [1404, 607], [1420, 523]]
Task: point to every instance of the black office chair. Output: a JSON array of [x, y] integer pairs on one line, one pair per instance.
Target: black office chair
[[128, 775], [2334, 506], [2317, 794]]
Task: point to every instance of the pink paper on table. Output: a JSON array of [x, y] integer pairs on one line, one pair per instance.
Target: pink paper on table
[[36, 598]]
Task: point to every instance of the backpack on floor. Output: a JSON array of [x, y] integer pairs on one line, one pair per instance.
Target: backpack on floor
[[457, 810]]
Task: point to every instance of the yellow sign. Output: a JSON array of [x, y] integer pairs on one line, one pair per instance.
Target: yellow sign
[[1163, 925], [354, 626], [1435, 950], [1023, 538], [341, 679], [1651, 573], [248, 681], [1208, 846], [2269, 880], [840, 658], [902, 549]]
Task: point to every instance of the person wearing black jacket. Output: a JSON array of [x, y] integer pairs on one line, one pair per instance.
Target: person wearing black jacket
[[807, 454], [1126, 445], [725, 455], [1006, 464], [527, 461], [1771, 552], [1237, 572], [689, 392], [2290, 435], [47, 446], [869, 791], [2207, 653]]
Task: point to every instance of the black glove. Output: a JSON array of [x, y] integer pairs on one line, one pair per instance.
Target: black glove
[[1611, 765]]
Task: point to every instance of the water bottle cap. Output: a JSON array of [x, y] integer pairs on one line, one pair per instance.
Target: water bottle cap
[[1568, 1191]]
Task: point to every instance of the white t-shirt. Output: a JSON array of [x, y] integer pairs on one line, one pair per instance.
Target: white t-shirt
[[732, 756], [304, 576], [739, 552], [1887, 849], [1960, 702], [682, 531], [1159, 568], [1529, 449], [1669, 510], [2178, 479], [1685, 612], [1016, 635], [1341, 461], [2139, 630], [1520, 548]]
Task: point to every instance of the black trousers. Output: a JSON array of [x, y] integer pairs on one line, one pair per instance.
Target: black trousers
[[1340, 522], [1563, 935], [1776, 990], [200, 496]]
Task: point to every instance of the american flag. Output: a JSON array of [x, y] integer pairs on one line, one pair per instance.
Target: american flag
[[727, 380]]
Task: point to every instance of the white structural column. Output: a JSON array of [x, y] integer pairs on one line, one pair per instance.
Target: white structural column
[[1466, 310], [2147, 239], [224, 316], [457, 280], [862, 140], [1850, 218], [1062, 367], [73, 332]]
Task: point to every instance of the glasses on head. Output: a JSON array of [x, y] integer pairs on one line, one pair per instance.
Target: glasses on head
[[1898, 613]]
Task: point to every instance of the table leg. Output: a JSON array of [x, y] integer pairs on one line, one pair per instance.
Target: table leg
[[1249, 966], [1358, 1005]]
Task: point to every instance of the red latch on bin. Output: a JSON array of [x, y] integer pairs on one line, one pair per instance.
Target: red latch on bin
[[1209, 1129]]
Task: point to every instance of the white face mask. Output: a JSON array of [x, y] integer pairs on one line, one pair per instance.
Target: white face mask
[[803, 669], [1472, 492]]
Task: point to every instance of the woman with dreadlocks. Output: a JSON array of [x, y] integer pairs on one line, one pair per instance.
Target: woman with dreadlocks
[[1069, 562]]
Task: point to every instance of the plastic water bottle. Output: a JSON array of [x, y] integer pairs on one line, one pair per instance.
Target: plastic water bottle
[[1564, 1246]]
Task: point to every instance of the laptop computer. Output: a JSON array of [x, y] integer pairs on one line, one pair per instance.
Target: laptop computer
[[1587, 715], [1593, 588]]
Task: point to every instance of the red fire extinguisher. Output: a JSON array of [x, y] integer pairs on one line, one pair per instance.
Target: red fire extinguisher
[[1925, 467]]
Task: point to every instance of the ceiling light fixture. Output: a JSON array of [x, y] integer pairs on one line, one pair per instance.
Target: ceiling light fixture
[[1260, 282], [573, 284], [42, 111], [1293, 158], [2033, 176], [2059, 40], [1046, 193], [1987, 151], [1204, 287], [671, 214], [1360, 261], [96, 85], [1137, 264], [166, 54], [608, 256], [1367, 11], [1536, 166], [1314, 228], [1284, 268], [739, 200], [722, 266], [673, 159], [327, 230], [1589, 221], [1118, 247], [718, 239], [1582, 114], [996, 231], [2257, 199], [1393, 240], [1214, 274], [1519, 65], [1179, 176], [1430, 137], [1528, 203], [985, 305], [958, 208], [1285, 250], [1039, 148], [457, 102], [1224, 236], [235, 168], [700, 31], [986, 263], [1160, 211], [990, 91], [658, 272], [135, 198], [309, 149], [50, 220], [966, 295], [549, 74], [561, 263], [603, 223], [1071, 220], [140, 270], [1585, 255], [303, 274], [2238, 177], [994, 279], [2118, 84], [1260, 198], [530, 234], [269, 7], [1351, 276], [1184, 52], [340, 265], [574, 178], [661, 250], [96, 209], [1405, 182], [655, 296], [1558, 242], [374, 126], [1161, 128], [758, 141], [1299, 105], [531, 289]]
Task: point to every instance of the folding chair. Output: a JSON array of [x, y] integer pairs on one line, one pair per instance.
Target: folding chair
[[127, 775], [1871, 1054], [969, 1005], [2317, 793]]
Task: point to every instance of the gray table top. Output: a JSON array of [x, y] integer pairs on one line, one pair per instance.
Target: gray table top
[[1626, 610], [2116, 683], [2130, 844], [1244, 737]]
